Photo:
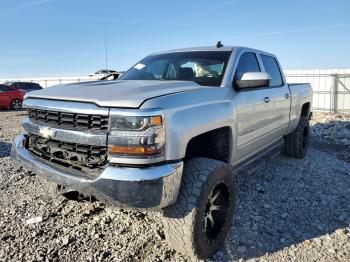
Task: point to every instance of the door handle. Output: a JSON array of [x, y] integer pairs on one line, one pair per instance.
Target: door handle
[[267, 99], [286, 96]]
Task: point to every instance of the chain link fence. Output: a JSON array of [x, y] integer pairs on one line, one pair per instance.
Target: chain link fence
[[331, 88]]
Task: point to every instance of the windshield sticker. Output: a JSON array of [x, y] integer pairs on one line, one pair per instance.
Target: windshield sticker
[[139, 66]]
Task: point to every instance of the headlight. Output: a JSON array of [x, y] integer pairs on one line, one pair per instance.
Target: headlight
[[140, 137], [134, 123]]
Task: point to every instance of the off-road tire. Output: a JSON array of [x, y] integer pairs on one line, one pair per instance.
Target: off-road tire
[[184, 222], [297, 142], [16, 104]]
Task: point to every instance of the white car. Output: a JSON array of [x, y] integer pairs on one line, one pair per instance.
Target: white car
[[102, 73]]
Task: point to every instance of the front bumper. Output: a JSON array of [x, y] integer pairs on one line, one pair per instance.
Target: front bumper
[[149, 187]]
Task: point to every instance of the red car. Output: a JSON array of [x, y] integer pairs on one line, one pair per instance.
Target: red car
[[10, 97]]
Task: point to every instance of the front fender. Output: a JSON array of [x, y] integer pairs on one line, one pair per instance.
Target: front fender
[[190, 114]]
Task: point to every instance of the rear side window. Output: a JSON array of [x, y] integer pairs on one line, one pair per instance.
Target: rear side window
[[26, 86], [17, 85], [34, 86], [5, 89], [271, 67], [247, 63], [37, 86]]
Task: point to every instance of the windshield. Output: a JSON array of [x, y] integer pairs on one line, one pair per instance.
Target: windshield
[[203, 67]]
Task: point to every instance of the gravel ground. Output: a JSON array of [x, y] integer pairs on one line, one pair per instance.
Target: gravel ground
[[288, 210]]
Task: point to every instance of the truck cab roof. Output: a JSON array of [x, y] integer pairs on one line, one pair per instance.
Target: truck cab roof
[[214, 48]]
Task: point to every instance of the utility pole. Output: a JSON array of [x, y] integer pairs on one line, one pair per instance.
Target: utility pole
[[106, 50]]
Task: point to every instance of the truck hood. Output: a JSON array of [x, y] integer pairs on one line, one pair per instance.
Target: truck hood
[[119, 93]]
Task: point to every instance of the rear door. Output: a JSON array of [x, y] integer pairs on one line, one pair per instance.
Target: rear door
[[254, 111], [279, 94]]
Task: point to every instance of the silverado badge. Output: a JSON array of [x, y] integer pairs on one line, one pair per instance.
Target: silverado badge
[[46, 132]]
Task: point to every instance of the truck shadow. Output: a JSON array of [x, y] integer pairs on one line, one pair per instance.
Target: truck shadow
[[5, 149], [289, 202]]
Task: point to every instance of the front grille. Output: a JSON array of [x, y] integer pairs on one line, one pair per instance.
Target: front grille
[[67, 120], [68, 154]]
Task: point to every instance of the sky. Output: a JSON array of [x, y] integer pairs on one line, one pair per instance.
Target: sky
[[43, 38]]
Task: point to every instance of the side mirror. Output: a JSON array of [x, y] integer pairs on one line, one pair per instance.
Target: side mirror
[[253, 79]]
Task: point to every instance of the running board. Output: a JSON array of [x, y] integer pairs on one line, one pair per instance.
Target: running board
[[252, 164]]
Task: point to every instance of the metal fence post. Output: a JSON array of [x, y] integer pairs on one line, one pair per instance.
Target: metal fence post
[[335, 93]]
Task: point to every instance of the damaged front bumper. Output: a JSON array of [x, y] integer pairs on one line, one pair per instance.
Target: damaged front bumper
[[145, 187]]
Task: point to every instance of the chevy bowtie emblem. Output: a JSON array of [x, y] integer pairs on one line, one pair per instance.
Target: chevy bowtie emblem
[[46, 132]]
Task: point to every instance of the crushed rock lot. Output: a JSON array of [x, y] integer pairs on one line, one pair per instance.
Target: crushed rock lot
[[288, 210]]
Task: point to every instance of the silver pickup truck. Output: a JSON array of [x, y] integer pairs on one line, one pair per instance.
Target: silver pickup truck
[[170, 134]]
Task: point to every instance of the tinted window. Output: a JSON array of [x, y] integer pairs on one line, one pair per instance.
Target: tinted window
[[17, 85], [5, 89], [35, 86], [26, 86], [247, 63], [273, 69]]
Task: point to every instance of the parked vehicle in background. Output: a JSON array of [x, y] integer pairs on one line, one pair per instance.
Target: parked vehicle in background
[[102, 73], [10, 97], [25, 86], [112, 76], [170, 134]]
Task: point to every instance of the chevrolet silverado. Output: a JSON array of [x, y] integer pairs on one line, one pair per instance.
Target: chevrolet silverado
[[169, 135]]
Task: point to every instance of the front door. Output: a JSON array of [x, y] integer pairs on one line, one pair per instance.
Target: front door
[[255, 121]]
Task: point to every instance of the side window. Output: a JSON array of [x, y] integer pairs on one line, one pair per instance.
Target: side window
[[26, 86], [271, 67], [22, 86], [17, 85], [5, 89], [247, 63]]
